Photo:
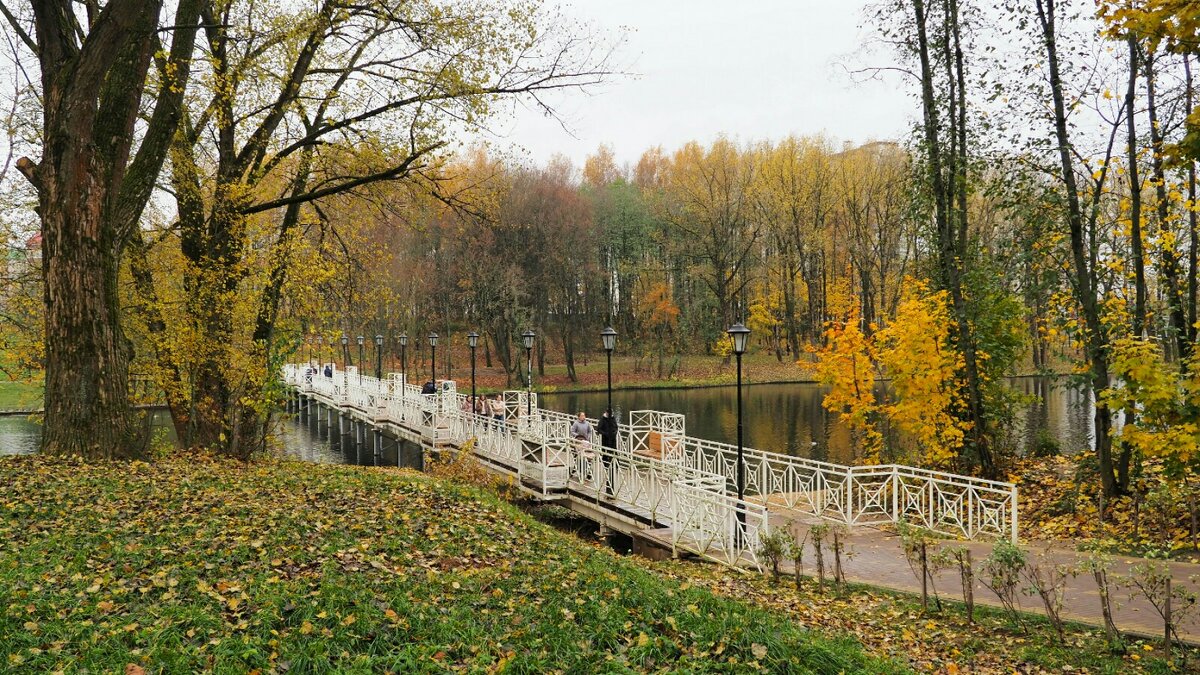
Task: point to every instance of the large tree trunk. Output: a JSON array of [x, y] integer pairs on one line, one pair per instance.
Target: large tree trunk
[[1168, 257], [88, 412], [1135, 194], [1193, 274], [90, 197], [948, 179], [1095, 343]]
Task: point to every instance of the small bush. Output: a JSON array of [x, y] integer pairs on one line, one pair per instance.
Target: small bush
[[1001, 572], [773, 547]]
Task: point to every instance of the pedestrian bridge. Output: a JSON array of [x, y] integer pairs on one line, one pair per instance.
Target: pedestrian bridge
[[658, 484]]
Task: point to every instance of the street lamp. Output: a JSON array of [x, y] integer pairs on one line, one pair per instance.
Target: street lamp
[[379, 357], [345, 351], [473, 342], [528, 337], [320, 350], [360, 358], [740, 335], [403, 338], [609, 337], [433, 338]]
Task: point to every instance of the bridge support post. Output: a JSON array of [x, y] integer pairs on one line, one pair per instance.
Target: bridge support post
[[341, 425], [378, 443]]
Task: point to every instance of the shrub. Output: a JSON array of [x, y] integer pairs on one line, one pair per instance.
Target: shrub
[[773, 547]]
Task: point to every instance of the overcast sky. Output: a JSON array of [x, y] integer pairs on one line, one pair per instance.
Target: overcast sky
[[753, 69]]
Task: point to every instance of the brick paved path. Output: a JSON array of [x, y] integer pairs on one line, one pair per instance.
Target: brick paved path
[[878, 558]]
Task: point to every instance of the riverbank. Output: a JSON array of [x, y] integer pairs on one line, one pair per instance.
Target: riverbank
[[195, 563], [631, 374], [1060, 500]]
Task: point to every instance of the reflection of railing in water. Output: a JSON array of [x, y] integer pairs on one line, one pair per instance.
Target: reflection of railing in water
[[671, 479]]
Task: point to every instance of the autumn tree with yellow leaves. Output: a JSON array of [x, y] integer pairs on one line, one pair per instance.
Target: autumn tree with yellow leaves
[[917, 418]]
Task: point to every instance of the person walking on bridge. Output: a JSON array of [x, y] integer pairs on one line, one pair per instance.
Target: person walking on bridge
[[607, 426], [581, 429], [496, 406]]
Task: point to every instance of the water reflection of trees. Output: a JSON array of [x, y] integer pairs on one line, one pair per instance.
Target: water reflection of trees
[[789, 418]]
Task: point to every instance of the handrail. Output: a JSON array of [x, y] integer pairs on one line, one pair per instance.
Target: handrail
[[694, 489]]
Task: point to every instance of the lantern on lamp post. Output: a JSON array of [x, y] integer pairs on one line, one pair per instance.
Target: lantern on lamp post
[[740, 335], [528, 338], [608, 337], [473, 342], [379, 357], [433, 340], [360, 358], [403, 340]]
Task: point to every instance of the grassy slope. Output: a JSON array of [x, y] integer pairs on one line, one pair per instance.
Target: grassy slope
[[194, 563]]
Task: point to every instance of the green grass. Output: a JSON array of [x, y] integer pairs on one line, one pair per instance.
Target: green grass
[[20, 395], [198, 564]]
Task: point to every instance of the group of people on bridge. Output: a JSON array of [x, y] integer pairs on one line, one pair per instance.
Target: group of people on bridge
[[488, 406]]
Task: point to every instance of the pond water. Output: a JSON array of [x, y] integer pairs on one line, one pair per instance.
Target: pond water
[[309, 441], [785, 418], [789, 418]]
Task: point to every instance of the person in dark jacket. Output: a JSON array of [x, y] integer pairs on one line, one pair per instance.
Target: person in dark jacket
[[607, 427], [429, 388]]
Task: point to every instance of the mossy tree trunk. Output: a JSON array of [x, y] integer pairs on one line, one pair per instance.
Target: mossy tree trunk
[[92, 188]]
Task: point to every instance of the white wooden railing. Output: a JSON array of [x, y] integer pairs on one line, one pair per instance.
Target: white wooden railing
[[676, 481]]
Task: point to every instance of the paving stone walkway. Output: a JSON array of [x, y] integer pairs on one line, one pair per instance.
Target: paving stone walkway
[[877, 558]]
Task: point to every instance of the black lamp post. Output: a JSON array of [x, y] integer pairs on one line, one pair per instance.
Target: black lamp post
[[528, 337], [740, 336], [360, 358], [345, 351], [433, 338], [320, 350], [379, 357], [473, 342], [609, 337], [403, 357]]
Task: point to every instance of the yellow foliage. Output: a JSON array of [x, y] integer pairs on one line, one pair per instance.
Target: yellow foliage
[[915, 352], [1165, 401], [845, 365]]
